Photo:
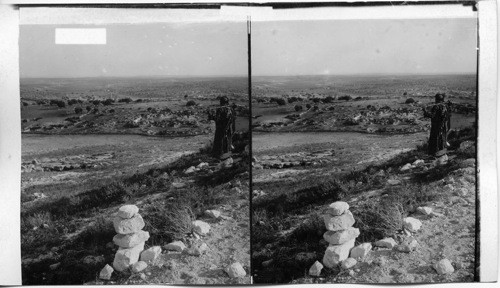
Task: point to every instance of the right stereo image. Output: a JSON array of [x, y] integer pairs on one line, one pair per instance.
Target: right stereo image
[[364, 140]]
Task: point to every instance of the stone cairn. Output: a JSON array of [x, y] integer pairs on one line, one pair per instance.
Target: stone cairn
[[340, 236], [128, 223]]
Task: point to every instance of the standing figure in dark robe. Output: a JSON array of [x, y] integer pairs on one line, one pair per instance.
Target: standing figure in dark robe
[[440, 115], [224, 118]]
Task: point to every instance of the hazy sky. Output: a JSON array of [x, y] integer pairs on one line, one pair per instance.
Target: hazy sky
[[425, 46], [206, 49]]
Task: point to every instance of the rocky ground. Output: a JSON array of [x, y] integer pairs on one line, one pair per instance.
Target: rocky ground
[[371, 173]]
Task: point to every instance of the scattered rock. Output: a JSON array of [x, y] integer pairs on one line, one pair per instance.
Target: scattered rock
[[337, 208], [106, 272], [128, 226], [336, 223], [425, 210], [443, 267], [178, 184], [125, 257], [235, 270], [393, 182], [197, 250], [55, 266], [213, 213], [200, 227], [348, 263], [360, 251], [315, 269], [406, 167], [131, 240], [190, 170], [151, 254], [386, 243], [342, 236], [334, 254], [127, 211], [227, 163], [412, 224], [139, 266], [442, 160], [178, 246], [436, 214], [418, 162], [409, 245]]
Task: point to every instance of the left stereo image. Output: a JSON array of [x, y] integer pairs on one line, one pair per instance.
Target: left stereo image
[[135, 147]]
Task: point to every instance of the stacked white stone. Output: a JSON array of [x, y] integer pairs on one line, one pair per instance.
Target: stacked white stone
[[130, 238], [340, 235]]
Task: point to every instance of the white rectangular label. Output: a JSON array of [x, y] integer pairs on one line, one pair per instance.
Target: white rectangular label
[[93, 36]]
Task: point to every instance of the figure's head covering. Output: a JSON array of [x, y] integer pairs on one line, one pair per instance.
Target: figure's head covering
[[439, 97], [224, 100]]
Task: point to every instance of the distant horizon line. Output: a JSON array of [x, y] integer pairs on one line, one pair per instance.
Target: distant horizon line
[[241, 76]]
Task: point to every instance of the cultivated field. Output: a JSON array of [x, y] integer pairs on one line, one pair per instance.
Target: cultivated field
[[91, 145], [362, 140]]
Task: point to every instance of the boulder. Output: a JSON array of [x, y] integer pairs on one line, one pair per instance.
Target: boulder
[[200, 227], [336, 223], [335, 254], [125, 257], [128, 226], [235, 270], [131, 240], [412, 224], [213, 213], [106, 272], [175, 246], [425, 210], [127, 211], [444, 267], [315, 269], [348, 263], [342, 236], [337, 208], [386, 243], [151, 254], [360, 251], [139, 266]]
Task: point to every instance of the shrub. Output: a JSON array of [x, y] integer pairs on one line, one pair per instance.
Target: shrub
[[298, 108], [168, 221], [25, 103], [316, 100], [378, 220], [281, 101], [72, 101], [78, 110], [108, 102], [125, 100], [138, 100], [96, 102], [308, 106], [410, 100], [345, 97], [190, 103], [328, 99]]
